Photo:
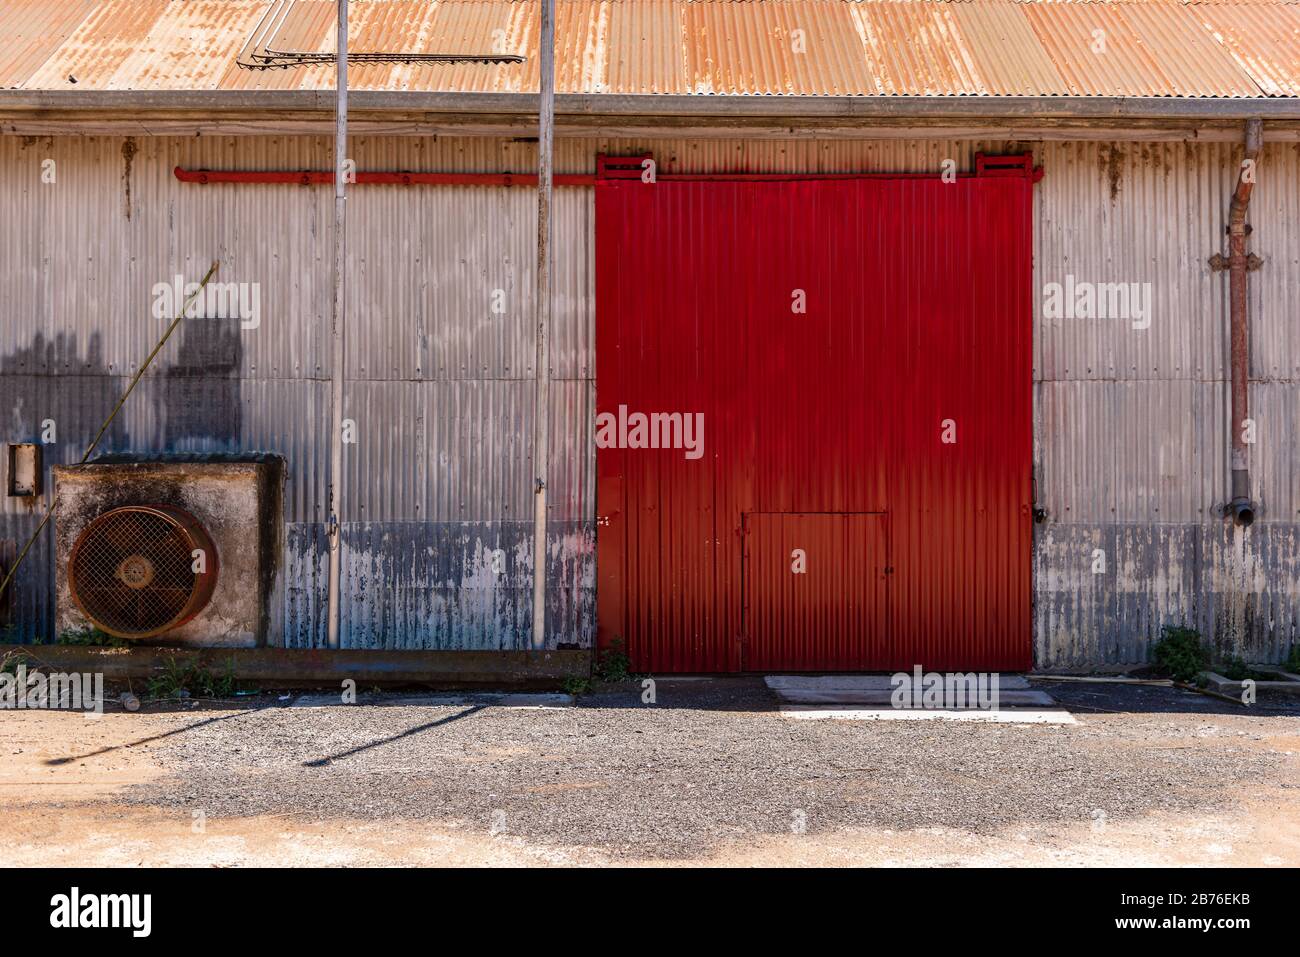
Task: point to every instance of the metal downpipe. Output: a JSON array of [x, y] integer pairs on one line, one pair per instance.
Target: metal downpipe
[[1241, 508]]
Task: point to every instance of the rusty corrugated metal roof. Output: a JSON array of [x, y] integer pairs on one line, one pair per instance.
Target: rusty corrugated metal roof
[[1139, 48]]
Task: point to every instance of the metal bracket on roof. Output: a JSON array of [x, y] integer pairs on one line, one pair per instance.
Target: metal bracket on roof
[[259, 54], [621, 167], [1017, 164], [1219, 262]]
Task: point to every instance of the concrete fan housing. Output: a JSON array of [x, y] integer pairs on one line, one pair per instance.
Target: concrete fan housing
[[238, 502]]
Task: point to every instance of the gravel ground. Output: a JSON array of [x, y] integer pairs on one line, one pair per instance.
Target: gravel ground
[[712, 762]]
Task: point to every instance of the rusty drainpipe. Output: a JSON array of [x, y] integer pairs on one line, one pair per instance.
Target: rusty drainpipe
[[1241, 508]]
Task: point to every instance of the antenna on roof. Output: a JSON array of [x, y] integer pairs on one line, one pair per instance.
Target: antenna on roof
[[261, 52]]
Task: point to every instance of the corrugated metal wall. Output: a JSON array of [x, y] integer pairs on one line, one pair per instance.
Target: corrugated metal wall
[[439, 367], [1130, 424]]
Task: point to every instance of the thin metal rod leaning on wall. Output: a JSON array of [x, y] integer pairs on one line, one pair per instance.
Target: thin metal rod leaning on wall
[[336, 331], [541, 418]]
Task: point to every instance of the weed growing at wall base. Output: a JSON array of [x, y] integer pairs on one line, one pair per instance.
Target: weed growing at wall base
[[192, 680], [1180, 654]]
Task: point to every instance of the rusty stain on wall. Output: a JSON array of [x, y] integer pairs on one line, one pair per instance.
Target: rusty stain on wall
[[1112, 158], [128, 157]]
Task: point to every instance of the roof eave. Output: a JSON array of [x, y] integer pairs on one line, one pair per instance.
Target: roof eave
[[714, 107]]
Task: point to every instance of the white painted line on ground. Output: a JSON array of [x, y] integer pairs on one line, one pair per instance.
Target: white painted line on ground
[[814, 713]]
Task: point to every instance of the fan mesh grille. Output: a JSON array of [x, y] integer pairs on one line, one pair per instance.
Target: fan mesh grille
[[133, 571]]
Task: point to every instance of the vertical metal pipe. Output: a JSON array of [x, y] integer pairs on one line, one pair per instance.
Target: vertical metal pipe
[[337, 329], [1241, 508], [541, 405]]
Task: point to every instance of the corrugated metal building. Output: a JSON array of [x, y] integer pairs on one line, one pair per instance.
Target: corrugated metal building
[[1135, 112]]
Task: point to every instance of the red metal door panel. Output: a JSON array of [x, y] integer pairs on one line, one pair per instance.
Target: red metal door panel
[[814, 591], [827, 330]]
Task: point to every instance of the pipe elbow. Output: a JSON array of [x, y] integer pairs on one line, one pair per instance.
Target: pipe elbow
[[1242, 512]]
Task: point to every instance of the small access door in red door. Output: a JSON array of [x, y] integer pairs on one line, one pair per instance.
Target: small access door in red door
[[813, 590]]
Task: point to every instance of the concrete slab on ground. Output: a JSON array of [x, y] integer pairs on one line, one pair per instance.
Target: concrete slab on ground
[[854, 692], [1285, 683], [815, 713], [865, 682], [1014, 699]]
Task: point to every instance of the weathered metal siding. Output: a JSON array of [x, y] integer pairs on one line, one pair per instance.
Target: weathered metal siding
[[439, 366], [1130, 425]]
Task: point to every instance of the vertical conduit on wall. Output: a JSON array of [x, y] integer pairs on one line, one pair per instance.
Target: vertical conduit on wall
[[1241, 508], [337, 342], [541, 421]]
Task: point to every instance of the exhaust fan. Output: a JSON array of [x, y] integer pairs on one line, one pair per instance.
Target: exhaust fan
[[177, 551], [139, 571]]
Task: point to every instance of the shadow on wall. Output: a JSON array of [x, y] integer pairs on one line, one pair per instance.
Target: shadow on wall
[[53, 394], [49, 392], [199, 407]]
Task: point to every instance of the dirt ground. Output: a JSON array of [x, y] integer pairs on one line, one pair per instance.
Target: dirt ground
[[711, 775]]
